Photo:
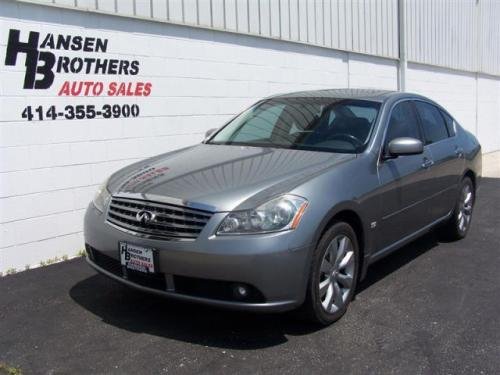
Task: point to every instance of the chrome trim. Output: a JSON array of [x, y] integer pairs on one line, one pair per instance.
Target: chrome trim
[[166, 200], [149, 236], [123, 217]]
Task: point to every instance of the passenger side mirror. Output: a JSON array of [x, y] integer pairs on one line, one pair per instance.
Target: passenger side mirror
[[404, 146], [209, 132]]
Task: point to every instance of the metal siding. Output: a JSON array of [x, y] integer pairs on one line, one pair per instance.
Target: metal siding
[[461, 34], [159, 9], [274, 19], [217, 14], [175, 10], [489, 53], [254, 16], [285, 19], [265, 17]]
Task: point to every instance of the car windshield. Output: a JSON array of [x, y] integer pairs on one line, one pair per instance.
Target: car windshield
[[318, 124]]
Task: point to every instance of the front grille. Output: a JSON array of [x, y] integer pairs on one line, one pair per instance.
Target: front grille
[[169, 221]]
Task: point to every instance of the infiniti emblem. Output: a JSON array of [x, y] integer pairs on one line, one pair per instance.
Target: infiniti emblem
[[145, 216]]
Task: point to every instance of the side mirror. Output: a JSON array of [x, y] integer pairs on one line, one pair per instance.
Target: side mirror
[[209, 132], [404, 146]]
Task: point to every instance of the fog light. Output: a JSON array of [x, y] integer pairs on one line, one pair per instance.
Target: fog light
[[240, 291]]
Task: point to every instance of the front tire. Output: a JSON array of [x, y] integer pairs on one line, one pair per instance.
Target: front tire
[[333, 275], [459, 223]]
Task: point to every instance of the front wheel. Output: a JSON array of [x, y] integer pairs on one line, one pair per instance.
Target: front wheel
[[333, 275], [459, 223]]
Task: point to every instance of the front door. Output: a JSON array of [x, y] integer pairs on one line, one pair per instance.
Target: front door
[[404, 181]]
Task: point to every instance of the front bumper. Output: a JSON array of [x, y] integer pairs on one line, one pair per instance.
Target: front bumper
[[267, 263]]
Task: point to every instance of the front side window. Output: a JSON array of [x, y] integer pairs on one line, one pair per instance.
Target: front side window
[[402, 123], [318, 124], [432, 122]]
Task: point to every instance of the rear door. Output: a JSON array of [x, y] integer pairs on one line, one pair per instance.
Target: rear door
[[404, 180], [447, 156]]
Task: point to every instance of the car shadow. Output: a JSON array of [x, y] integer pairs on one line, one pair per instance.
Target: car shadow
[[391, 263], [138, 312]]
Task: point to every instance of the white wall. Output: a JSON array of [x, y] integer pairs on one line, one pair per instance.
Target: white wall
[[454, 90], [488, 115], [474, 99], [49, 169]]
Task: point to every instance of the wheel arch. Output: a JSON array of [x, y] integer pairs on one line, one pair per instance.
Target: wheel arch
[[469, 173], [350, 215]]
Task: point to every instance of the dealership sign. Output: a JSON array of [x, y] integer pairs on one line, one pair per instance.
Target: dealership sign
[[48, 55]]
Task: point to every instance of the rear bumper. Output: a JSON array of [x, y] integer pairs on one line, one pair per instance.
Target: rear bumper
[[267, 263]]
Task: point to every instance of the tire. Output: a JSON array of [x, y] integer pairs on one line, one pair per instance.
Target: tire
[[458, 225], [336, 279]]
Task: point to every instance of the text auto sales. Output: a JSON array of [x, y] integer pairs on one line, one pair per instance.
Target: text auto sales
[[92, 65]]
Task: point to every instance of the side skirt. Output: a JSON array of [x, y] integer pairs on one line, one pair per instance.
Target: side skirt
[[405, 240]]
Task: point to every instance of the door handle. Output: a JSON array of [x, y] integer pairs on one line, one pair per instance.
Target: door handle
[[427, 163], [459, 151]]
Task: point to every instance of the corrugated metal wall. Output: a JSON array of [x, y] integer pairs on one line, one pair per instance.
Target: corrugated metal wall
[[489, 36], [459, 34], [364, 26], [442, 33]]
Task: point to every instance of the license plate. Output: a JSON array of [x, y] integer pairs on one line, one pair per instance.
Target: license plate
[[137, 258]]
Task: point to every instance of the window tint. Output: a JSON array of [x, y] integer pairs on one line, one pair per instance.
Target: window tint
[[432, 122], [403, 122], [450, 123], [304, 123], [368, 113], [259, 126]]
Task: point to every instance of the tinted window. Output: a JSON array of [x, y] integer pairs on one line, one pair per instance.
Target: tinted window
[[432, 122], [403, 122], [310, 123], [450, 123], [260, 126]]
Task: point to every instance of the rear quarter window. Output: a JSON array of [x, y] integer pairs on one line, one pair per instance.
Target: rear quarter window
[[450, 123]]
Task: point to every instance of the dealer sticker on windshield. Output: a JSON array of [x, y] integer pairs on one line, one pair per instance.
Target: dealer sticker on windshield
[[137, 258]]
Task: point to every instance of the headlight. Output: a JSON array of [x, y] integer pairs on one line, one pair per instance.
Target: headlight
[[279, 214], [101, 196]]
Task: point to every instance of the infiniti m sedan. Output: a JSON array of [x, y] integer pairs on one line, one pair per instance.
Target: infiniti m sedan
[[286, 206]]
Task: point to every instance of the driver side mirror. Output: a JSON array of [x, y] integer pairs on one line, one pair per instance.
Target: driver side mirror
[[404, 146]]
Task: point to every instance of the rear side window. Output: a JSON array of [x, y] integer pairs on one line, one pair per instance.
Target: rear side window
[[450, 123], [403, 122], [432, 122]]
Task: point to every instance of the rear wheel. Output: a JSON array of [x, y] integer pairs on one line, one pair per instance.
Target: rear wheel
[[333, 275], [459, 223]]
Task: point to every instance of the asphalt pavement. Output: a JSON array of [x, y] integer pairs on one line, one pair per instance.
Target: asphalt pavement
[[430, 308]]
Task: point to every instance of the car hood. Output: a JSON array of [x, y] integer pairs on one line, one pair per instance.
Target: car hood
[[220, 177]]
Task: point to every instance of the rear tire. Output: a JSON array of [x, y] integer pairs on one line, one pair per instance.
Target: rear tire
[[333, 275], [458, 225]]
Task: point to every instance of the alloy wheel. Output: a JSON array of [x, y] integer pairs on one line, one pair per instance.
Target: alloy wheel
[[336, 274], [465, 208]]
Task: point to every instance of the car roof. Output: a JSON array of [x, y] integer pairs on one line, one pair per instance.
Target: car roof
[[366, 94]]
